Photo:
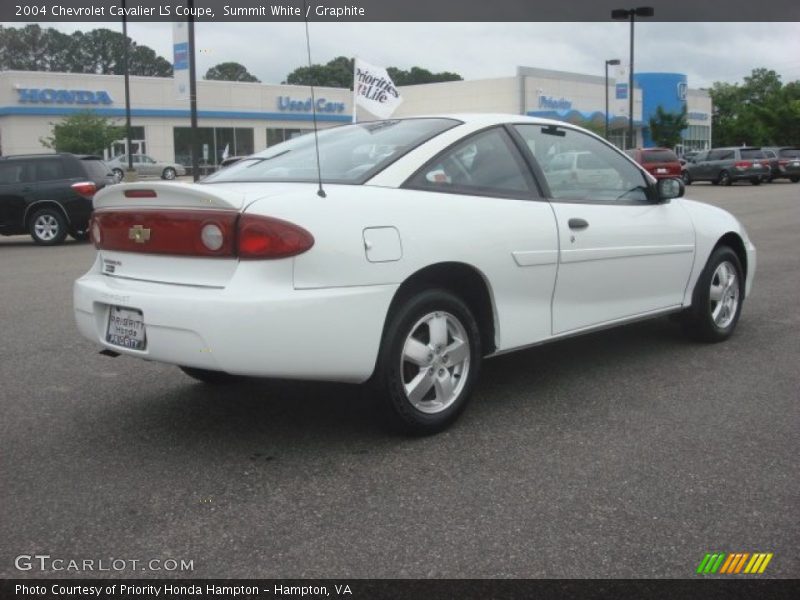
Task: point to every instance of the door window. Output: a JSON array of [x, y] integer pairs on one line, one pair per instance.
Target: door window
[[582, 168]]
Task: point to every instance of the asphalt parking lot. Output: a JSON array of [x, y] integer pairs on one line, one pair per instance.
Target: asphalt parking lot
[[626, 453]]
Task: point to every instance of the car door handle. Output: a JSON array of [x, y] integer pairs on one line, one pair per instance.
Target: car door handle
[[577, 224]]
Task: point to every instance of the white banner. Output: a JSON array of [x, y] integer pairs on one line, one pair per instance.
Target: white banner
[[180, 59], [620, 104], [374, 90]]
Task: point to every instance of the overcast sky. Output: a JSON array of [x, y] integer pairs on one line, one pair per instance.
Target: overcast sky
[[705, 52]]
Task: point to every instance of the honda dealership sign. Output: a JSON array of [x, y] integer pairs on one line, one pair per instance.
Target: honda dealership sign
[[53, 96]]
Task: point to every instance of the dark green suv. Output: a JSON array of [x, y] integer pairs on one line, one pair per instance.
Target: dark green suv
[[49, 195], [724, 166]]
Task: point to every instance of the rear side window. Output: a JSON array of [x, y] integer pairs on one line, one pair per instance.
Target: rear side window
[[11, 172], [486, 163], [48, 170], [721, 155], [96, 169], [659, 156], [789, 153], [751, 154]]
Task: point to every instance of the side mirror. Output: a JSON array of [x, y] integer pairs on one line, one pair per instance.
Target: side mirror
[[669, 188]]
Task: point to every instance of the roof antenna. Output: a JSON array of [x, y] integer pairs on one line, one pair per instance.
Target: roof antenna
[[320, 192]]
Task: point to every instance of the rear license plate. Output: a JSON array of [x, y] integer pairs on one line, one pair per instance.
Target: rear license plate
[[796, 164], [126, 328]]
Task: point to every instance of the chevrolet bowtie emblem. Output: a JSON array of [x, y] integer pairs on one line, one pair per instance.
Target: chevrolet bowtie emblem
[[139, 234]]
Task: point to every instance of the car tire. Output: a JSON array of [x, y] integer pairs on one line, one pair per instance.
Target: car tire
[[755, 181], [687, 179], [48, 227], [429, 362], [169, 174], [724, 178], [208, 376], [794, 179], [118, 174], [717, 299]]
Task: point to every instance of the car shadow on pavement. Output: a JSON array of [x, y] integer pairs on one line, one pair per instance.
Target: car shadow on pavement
[[292, 414]]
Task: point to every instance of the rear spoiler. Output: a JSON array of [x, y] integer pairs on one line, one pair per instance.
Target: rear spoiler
[[166, 195]]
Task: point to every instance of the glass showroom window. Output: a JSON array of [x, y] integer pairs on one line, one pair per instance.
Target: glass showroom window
[[213, 141], [138, 144], [276, 136]]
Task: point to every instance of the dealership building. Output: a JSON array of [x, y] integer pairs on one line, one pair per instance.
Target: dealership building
[[241, 118]]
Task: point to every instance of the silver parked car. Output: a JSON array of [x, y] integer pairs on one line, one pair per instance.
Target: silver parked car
[[145, 166]]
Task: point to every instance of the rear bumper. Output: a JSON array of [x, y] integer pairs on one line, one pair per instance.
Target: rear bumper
[[786, 172], [258, 329], [748, 174]]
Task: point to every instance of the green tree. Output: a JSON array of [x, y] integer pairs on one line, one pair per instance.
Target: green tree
[[335, 73], [32, 48], [759, 111], [83, 133], [230, 71], [418, 75], [339, 73], [666, 127]]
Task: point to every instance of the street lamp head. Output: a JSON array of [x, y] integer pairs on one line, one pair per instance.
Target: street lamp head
[[613, 61], [622, 14]]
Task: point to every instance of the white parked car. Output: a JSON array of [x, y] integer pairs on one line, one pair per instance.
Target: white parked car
[[145, 166], [412, 264]]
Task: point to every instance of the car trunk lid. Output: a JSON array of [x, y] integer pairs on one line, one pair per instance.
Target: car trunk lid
[[154, 231]]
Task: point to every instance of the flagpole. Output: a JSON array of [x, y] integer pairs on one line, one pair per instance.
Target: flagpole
[[355, 88]]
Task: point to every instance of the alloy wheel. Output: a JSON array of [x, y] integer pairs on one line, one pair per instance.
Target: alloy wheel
[[46, 227], [435, 362], [723, 297]]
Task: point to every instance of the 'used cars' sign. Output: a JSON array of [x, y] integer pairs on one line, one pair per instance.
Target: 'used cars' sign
[[51, 96], [285, 103]]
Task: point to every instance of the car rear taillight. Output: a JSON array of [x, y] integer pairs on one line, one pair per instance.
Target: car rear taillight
[[86, 189], [266, 237], [743, 164], [207, 233]]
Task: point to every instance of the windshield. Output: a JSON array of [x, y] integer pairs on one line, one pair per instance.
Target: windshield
[[348, 154], [789, 153]]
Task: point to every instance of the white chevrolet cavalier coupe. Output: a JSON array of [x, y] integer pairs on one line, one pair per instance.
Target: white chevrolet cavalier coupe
[[418, 248]]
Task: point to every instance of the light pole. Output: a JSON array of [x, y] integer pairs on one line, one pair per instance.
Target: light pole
[[622, 14], [130, 173], [613, 61]]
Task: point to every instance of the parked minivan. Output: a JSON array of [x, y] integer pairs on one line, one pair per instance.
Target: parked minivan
[[785, 164], [724, 166]]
